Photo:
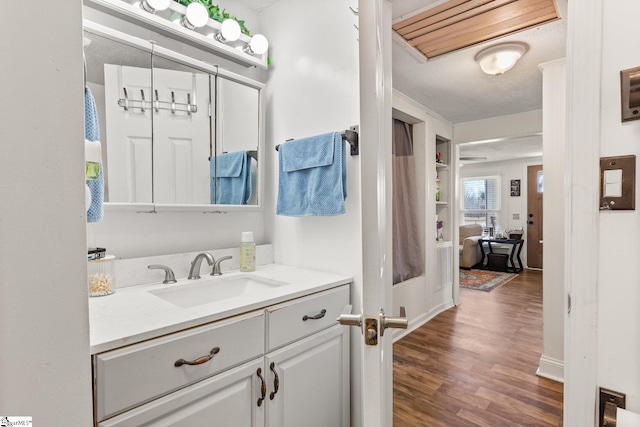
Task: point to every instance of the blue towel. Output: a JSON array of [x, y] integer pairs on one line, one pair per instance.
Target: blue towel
[[92, 133], [231, 178], [312, 176]]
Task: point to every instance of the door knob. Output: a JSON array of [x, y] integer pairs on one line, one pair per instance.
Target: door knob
[[348, 319], [400, 322], [530, 222], [530, 215]]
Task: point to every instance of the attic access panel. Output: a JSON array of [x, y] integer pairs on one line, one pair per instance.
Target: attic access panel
[[457, 24]]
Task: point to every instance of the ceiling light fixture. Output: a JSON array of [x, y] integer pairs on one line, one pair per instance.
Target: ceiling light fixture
[[229, 31], [196, 16], [500, 58], [257, 45]]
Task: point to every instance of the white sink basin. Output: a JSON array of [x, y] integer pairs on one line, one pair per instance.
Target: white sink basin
[[210, 289]]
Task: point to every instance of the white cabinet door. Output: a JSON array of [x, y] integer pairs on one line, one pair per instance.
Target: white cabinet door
[[229, 399], [313, 381]]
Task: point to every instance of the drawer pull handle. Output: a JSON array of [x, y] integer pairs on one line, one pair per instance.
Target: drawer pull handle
[[316, 317], [263, 387], [199, 360], [276, 381]]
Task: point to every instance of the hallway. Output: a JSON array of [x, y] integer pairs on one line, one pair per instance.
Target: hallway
[[475, 364]]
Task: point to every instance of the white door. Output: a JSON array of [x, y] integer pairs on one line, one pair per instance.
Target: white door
[[312, 377], [181, 138], [128, 139], [376, 383]]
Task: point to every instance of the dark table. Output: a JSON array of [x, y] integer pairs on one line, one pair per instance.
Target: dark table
[[516, 249]]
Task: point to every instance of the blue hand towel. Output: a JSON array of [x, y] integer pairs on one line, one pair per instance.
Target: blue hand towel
[[312, 176], [92, 133], [231, 178]]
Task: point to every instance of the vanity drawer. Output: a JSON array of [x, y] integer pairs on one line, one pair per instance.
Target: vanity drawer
[[285, 322], [135, 374]]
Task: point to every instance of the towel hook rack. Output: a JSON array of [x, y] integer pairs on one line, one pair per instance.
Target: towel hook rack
[[351, 136]]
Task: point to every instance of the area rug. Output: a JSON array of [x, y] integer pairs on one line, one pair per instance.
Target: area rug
[[483, 280]]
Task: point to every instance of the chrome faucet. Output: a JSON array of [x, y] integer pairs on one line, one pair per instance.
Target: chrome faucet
[[194, 273], [216, 266]]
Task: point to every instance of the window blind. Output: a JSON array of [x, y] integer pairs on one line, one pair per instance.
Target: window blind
[[481, 202]]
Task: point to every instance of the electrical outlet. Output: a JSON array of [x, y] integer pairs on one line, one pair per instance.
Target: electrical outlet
[[515, 216], [619, 399]]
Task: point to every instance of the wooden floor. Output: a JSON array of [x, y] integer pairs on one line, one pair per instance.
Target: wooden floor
[[475, 364]]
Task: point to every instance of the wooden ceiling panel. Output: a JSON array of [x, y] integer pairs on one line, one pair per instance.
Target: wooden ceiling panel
[[461, 23]]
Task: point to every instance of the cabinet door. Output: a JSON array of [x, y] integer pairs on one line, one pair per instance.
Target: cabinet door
[[229, 399], [313, 381]]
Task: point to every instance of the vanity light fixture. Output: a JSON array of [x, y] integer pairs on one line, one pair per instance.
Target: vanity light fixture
[[196, 16], [257, 45], [229, 31], [500, 58], [153, 6]]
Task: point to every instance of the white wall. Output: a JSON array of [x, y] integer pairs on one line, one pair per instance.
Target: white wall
[[510, 126], [507, 170], [553, 146], [44, 328], [312, 89], [619, 292], [422, 296]]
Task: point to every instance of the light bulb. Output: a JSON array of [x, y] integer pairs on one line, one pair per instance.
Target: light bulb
[[229, 31], [258, 44], [196, 16], [152, 6]]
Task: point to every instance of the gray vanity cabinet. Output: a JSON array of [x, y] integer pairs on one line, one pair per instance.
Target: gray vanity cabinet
[[286, 365]]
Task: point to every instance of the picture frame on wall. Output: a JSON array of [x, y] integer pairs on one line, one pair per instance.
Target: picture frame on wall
[[515, 188]]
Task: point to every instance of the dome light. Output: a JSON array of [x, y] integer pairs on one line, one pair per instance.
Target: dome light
[[498, 59]]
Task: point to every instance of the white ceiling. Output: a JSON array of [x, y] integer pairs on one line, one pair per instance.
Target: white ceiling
[[454, 87]]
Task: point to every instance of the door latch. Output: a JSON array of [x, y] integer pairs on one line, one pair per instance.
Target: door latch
[[370, 327]]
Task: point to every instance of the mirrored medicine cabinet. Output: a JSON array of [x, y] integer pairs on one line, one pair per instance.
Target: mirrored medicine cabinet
[[164, 118]]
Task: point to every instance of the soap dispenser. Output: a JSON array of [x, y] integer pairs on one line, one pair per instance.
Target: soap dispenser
[[247, 252]]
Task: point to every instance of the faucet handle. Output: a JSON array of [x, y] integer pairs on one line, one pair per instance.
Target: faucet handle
[[216, 266], [169, 277]]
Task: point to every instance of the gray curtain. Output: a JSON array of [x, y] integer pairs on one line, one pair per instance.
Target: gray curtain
[[407, 253]]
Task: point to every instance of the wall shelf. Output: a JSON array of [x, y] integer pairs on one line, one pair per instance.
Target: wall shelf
[[199, 37]]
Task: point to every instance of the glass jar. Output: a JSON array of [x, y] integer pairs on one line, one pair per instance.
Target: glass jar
[[101, 276]]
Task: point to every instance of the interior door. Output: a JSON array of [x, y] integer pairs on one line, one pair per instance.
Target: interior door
[[535, 189], [181, 136], [128, 126], [375, 379]]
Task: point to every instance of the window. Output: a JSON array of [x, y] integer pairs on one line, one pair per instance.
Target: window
[[481, 202]]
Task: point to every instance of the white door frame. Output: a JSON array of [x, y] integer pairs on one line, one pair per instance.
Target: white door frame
[[582, 227], [375, 160]]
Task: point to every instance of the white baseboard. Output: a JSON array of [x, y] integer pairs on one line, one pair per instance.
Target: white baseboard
[[422, 319], [551, 368]]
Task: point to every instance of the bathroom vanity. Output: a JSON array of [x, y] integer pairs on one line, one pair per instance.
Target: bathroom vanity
[[270, 354]]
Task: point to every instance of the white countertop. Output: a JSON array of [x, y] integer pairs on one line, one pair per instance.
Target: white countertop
[[133, 314]]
